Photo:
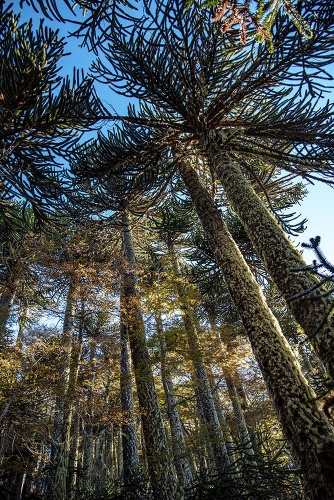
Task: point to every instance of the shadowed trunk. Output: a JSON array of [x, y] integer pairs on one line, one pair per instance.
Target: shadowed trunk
[[157, 452], [6, 301], [181, 462], [129, 436], [66, 412], [304, 424]]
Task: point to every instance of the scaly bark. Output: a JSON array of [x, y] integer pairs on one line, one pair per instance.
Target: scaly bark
[[201, 377], [180, 455], [129, 435], [278, 254], [158, 457], [304, 424]]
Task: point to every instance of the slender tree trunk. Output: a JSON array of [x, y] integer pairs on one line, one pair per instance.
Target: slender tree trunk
[[304, 424], [129, 433], [62, 468], [235, 400], [202, 382], [215, 394], [120, 462], [98, 465], [23, 322], [181, 462], [74, 453], [239, 416], [158, 457], [87, 458], [6, 301], [279, 256], [20, 477]]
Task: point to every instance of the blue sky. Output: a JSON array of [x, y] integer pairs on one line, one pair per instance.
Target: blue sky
[[316, 206]]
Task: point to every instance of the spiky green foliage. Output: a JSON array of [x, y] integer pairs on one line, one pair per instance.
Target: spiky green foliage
[[42, 115], [91, 18], [194, 83], [321, 268]]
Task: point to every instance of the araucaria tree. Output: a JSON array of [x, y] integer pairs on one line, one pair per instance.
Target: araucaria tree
[[239, 112], [138, 395], [42, 115], [212, 107]]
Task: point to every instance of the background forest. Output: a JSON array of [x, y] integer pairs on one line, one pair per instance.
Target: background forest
[[160, 336]]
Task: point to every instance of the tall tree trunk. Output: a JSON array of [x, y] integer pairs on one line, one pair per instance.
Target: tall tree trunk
[[20, 477], [74, 453], [6, 301], [181, 462], [202, 382], [158, 457], [88, 447], [278, 254], [234, 397], [239, 416], [60, 483], [222, 421], [304, 424], [129, 434], [23, 320]]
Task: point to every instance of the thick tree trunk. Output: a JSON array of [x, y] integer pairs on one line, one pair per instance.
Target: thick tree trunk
[[201, 377], [129, 434], [181, 462], [278, 254], [158, 457], [304, 424]]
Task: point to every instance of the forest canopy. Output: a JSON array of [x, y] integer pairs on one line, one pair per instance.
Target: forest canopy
[[161, 337]]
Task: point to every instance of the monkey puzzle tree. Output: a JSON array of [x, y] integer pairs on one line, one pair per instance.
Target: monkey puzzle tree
[[119, 199], [123, 159], [237, 110]]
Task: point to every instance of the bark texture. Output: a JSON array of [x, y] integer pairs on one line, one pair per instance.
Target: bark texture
[[157, 452], [304, 424], [278, 254], [181, 462], [201, 377], [6, 301], [129, 436]]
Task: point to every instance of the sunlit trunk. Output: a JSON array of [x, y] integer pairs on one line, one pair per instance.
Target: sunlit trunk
[[278, 254], [201, 378], [304, 424]]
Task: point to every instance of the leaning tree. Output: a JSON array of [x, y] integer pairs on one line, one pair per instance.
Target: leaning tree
[[238, 110], [135, 160]]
